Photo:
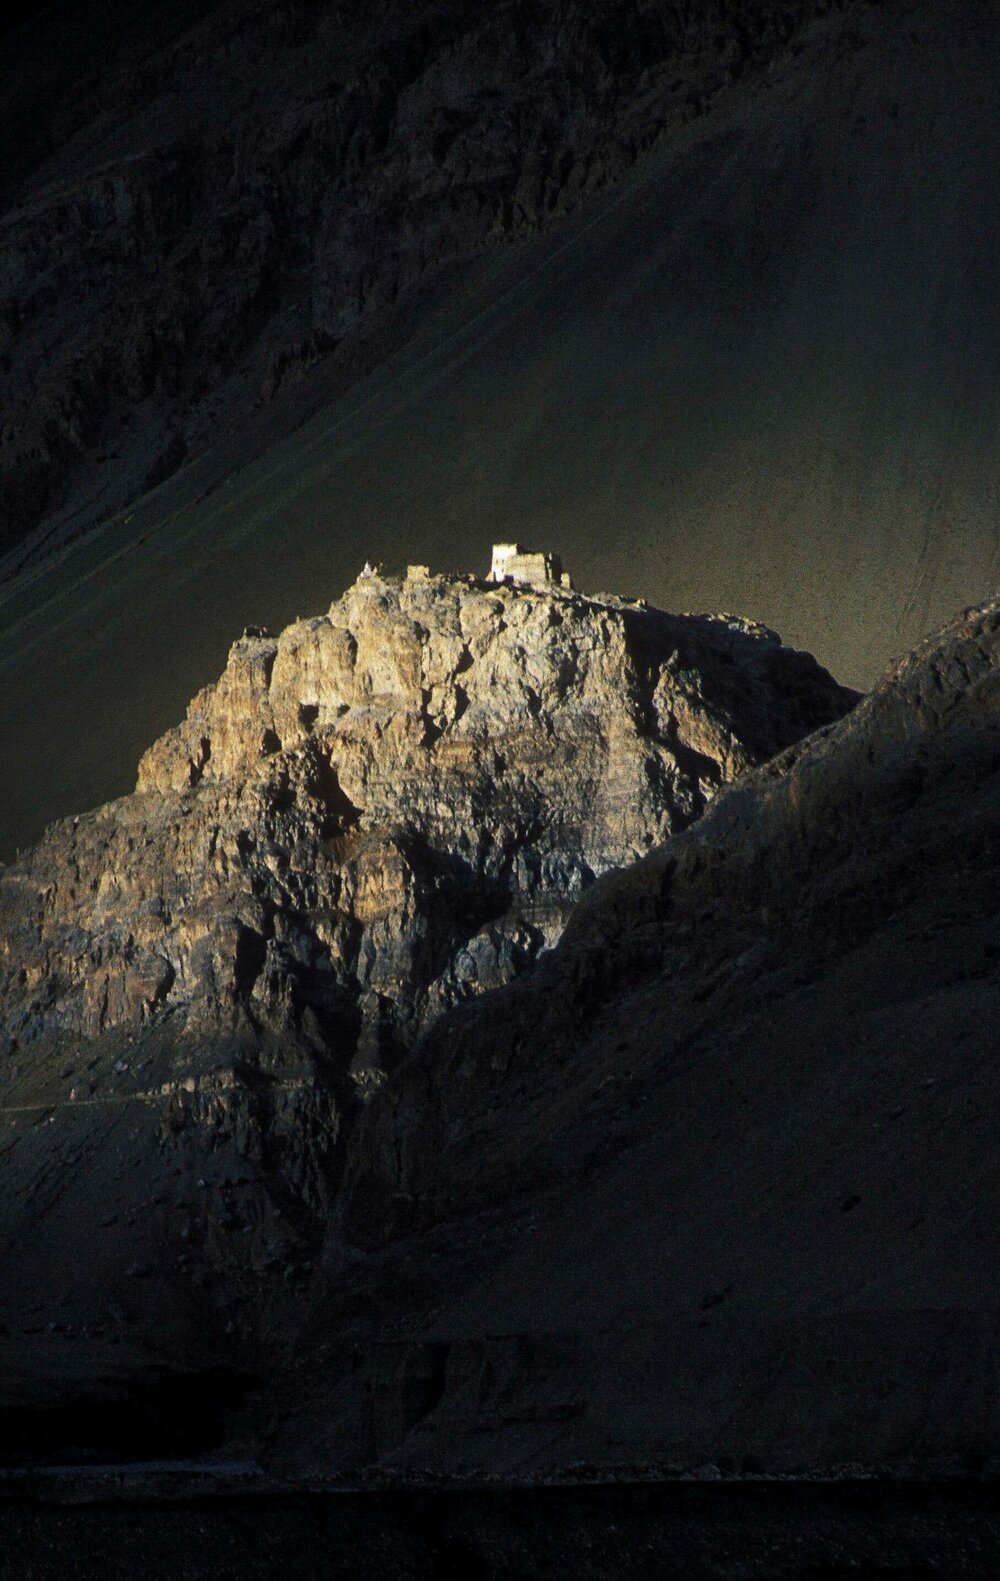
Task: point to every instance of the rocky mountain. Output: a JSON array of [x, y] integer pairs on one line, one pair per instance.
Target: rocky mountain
[[406, 794], [317, 1097], [757, 370], [707, 1183], [369, 819], [507, 1034]]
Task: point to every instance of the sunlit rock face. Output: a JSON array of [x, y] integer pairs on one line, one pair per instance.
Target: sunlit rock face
[[387, 809], [368, 819]]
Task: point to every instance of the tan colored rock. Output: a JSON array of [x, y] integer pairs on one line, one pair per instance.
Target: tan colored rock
[[378, 814], [387, 809]]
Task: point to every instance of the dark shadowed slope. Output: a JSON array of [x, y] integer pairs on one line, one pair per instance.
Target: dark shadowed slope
[[761, 374], [718, 1181]]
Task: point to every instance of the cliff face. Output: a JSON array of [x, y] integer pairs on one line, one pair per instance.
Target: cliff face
[[201, 202], [388, 808], [367, 820]]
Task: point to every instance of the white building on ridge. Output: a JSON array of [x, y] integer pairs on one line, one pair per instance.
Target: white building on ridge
[[537, 568]]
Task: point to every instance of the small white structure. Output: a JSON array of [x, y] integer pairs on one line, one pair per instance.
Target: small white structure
[[536, 568]]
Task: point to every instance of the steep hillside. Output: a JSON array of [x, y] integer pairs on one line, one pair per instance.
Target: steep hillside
[[709, 1185], [202, 201]]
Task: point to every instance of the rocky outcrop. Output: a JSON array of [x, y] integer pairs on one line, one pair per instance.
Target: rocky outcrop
[[179, 248], [710, 1186], [369, 819], [388, 809]]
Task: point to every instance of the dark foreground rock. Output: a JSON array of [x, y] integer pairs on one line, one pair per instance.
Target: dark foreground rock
[[730, 1147]]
